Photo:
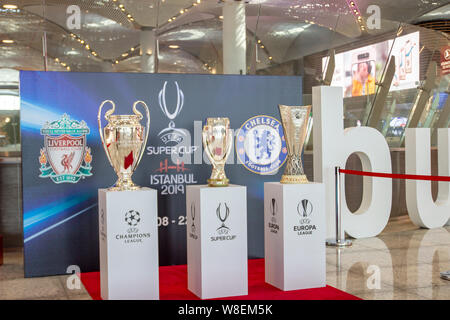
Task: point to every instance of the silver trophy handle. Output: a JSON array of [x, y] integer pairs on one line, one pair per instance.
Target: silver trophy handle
[[107, 114], [230, 143], [147, 112], [205, 146]]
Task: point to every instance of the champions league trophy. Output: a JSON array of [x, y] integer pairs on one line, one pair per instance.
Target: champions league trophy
[[295, 125], [128, 225], [217, 141], [124, 140]]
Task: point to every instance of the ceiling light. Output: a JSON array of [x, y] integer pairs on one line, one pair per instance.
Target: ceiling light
[[174, 46], [124, 54], [181, 11], [7, 41], [220, 17], [117, 62], [198, 1], [132, 49], [9, 6], [270, 58]]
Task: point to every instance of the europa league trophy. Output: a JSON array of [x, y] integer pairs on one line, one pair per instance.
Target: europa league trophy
[[217, 141], [295, 125], [124, 140]]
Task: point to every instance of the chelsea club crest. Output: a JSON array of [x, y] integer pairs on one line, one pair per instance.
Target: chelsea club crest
[[65, 156], [260, 145]]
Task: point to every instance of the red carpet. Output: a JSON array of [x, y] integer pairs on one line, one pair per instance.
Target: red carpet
[[173, 286]]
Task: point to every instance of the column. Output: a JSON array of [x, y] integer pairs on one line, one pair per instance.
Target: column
[[148, 50], [234, 38]]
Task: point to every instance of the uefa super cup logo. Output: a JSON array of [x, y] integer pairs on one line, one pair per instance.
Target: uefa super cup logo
[[222, 213], [193, 217], [171, 133]]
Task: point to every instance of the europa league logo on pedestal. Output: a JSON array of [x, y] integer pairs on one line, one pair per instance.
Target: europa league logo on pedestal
[[124, 140], [295, 125], [223, 227], [217, 142]]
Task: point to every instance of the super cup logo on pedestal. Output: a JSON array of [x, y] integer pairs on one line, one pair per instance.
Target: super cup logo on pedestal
[[193, 234], [304, 210], [132, 219], [260, 145], [223, 231]]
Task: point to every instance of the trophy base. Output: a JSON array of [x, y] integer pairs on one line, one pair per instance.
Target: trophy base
[[218, 182], [124, 188], [289, 179], [124, 185]]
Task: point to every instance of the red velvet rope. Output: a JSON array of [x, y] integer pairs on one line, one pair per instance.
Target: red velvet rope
[[394, 176]]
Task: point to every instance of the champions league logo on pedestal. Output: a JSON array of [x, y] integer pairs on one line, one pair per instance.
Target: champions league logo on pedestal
[[132, 235], [171, 134]]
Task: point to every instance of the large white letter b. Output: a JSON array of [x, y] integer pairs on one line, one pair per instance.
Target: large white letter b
[[332, 146]]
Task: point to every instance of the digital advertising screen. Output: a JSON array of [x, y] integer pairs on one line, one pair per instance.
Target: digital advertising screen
[[357, 71]]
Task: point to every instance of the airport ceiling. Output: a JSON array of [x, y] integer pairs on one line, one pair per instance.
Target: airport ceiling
[[189, 31]]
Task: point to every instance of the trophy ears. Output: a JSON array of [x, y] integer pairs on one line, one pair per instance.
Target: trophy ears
[[136, 111]]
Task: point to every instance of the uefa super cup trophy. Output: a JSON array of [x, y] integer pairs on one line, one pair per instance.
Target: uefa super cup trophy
[[124, 140], [295, 125], [217, 142]]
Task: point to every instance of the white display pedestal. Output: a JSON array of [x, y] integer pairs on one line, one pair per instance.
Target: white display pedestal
[[128, 234], [294, 235], [217, 241]]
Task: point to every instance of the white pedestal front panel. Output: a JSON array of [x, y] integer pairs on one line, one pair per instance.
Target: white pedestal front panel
[[294, 235], [217, 241], [128, 244]]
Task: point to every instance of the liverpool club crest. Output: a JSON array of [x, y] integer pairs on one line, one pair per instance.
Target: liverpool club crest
[[65, 156]]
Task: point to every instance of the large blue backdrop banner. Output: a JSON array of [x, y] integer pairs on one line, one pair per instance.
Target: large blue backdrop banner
[[64, 164]]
